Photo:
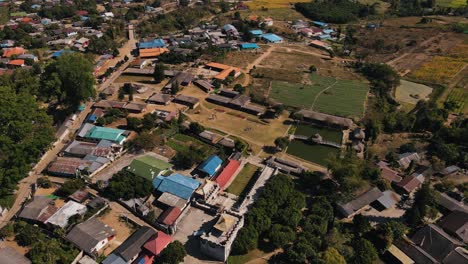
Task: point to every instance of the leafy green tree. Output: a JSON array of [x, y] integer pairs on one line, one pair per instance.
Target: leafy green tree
[[125, 185], [331, 255], [246, 240], [365, 252], [158, 73], [196, 128], [73, 75], [27, 234], [133, 123], [174, 253], [70, 186], [44, 182], [51, 251], [281, 235], [147, 141], [281, 143], [361, 224]]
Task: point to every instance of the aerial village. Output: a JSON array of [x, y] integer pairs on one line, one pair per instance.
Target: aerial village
[[233, 132]]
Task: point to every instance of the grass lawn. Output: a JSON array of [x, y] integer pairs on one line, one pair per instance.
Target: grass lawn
[[323, 94], [327, 134], [410, 92], [181, 142], [451, 3], [242, 179], [241, 259], [318, 154], [260, 4]]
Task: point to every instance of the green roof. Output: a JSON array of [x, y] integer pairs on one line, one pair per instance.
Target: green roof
[[18, 14], [148, 167], [111, 134]]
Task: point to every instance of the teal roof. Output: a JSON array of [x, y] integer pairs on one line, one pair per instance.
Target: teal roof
[[107, 133]]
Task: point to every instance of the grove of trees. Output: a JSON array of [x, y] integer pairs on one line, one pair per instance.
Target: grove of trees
[[125, 185], [335, 11]]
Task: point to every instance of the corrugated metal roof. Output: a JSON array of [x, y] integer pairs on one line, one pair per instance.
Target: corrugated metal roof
[[211, 165], [176, 184], [148, 167]]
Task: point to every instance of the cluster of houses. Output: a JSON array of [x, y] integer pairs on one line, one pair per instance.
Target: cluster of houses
[[175, 193], [318, 32]]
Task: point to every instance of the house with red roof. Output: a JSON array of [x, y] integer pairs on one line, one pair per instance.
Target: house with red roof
[[227, 173], [157, 243], [168, 219], [16, 63]]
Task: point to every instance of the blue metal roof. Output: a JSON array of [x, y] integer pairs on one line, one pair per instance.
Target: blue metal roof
[[321, 24], [249, 46], [324, 36], [272, 37], [155, 43], [328, 31], [256, 32], [176, 184], [210, 165], [61, 52]]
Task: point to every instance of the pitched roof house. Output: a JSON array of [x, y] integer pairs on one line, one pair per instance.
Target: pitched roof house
[[351, 208], [39, 209], [130, 248], [157, 243], [10, 256], [176, 184], [91, 236], [211, 165], [456, 224], [435, 241]]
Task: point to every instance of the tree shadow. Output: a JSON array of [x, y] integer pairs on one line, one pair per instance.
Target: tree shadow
[[270, 149]]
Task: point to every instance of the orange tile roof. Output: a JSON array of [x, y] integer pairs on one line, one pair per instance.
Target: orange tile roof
[[226, 70], [154, 52], [7, 53], [16, 62]]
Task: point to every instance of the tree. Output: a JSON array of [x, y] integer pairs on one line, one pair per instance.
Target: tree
[[27, 234], [147, 141], [73, 75], [361, 224], [70, 186], [312, 68], [281, 235], [281, 143], [174, 253], [125, 185], [246, 240], [196, 128], [175, 88], [44, 182], [133, 123], [331, 255], [158, 73], [239, 88], [365, 252]]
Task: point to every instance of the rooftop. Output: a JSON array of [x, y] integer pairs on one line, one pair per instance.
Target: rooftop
[[361, 201], [211, 165], [133, 245], [10, 256], [71, 208], [87, 235], [176, 184], [148, 167]]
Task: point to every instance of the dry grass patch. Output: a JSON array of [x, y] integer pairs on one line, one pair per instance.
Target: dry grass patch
[[439, 69]]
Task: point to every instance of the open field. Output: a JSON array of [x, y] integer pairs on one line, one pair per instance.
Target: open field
[[240, 124], [242, 58], [323, 94], [261, 4], [440, 69], [282, 14], [242, 179], [255, 254], [182, 143], [460, 97], [318, 154], [327, 134], [411, 93], [451, 3], [122, 229]]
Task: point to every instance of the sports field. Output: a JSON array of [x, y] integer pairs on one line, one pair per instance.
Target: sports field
[[323, 94]]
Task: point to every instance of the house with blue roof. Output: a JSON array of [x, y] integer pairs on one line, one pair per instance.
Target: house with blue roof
[[324, 37], [176, 184], [256, 32], [61, 52], [249, 46], [271, 38], [320, 24], [155, 43], [211, 165]]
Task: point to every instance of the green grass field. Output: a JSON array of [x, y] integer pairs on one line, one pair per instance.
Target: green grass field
[[242, 179], [181, 142], [327, 134], [451, 3], [323, 94]]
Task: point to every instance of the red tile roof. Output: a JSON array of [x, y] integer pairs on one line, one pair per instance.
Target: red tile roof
[[157, 243], [170, 216], [227, 173]]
